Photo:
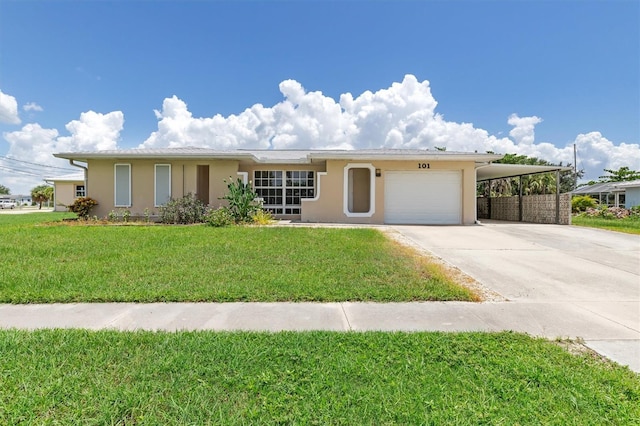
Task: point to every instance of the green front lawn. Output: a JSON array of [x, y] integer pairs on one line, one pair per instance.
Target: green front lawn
[[75, 263], [630, 225], [108, 377]]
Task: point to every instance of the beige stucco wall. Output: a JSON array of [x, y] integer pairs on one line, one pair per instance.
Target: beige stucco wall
[[65, 194], [183, 181], [329, 205]]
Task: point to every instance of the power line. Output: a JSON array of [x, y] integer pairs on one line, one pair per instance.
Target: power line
[[22, 172], [36, 164]]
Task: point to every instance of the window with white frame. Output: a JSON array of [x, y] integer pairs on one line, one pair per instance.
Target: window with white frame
[[80, 192], [162, 184], [122, 190], [282, 191]]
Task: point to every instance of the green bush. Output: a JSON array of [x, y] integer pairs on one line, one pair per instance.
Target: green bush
[[581, 203], [185, 210], [82, 206], [242, 200], [219, 217]]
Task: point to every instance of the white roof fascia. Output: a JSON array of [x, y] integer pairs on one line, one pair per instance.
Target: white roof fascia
[[129, 155], [402, 156], [280, 156]]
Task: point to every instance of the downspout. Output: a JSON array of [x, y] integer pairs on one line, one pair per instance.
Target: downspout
[[476, 197], [86, 179]]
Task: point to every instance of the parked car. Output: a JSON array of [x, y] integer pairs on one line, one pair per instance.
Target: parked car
[[7, 204]]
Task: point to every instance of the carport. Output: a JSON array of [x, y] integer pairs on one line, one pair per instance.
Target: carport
[[547, 208]]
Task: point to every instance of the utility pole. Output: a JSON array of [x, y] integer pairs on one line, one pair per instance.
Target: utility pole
[[575, 167]]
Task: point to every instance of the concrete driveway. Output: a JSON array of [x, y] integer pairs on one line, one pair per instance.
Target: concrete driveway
[[586, 281]]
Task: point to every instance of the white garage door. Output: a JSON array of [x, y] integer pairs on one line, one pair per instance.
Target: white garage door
[[423, 197]]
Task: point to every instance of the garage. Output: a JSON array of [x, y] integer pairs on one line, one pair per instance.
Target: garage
[[423, 197]]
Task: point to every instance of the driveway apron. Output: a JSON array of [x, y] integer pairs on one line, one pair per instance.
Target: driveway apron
[[554, 274]]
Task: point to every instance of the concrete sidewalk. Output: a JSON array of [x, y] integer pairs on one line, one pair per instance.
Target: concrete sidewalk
[[550, 320]]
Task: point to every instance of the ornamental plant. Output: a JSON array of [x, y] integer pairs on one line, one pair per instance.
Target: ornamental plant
[[580, 203], [185, 210], [219, 217], [243, 200], [82, 206]]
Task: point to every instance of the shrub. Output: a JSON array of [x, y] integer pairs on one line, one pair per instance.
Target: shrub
[[185, 210], [242, 200], [605, 212], [262, 217], [219, 217], [580, 203], [82, 206], [118, 215]]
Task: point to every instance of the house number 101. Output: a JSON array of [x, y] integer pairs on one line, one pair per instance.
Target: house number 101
[[423, 166]]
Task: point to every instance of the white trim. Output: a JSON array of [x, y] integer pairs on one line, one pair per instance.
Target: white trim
[[245, 177], [155, 184], [317, 196], [115, 185], [372, 189]]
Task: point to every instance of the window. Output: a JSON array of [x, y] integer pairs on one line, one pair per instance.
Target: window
[[162, 184], [284, 196], [122, 185], [80, 192]]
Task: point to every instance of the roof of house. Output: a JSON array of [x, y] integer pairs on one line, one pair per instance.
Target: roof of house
[[599, 188], [485, 168], [281, 156], [629, 184], [66, 178]]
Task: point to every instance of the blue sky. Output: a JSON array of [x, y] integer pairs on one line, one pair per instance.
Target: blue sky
[[568, 70]]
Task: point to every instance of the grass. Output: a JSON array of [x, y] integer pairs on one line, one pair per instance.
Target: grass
[[61, 263], [108, 377], [626, 225]]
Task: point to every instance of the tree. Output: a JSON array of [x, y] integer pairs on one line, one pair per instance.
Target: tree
[[41, 194], [620, 175], [4, 190]]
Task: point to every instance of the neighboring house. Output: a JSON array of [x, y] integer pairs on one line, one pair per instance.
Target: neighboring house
[[632, 193], [359, 186], [66, 189], [613, 194]]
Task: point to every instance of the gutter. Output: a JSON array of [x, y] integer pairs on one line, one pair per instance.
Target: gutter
[[85, 172]]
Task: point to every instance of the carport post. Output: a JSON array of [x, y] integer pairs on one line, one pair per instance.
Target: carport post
[[489, 201], [557, 197], [520, 198]]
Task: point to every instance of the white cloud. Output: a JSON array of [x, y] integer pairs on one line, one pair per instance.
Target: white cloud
[[35, 144], [8, 109], [32, 106], [523, 128], [401, 116]]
